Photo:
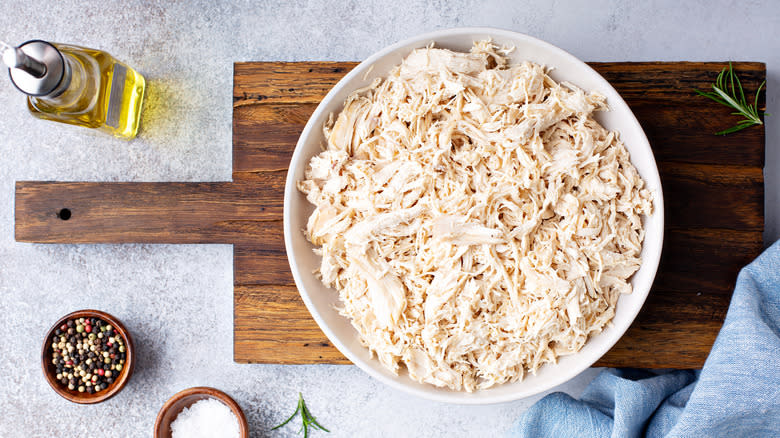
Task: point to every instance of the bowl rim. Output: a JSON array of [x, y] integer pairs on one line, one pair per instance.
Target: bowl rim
[[650, 264], [243, 425], [114, 388]]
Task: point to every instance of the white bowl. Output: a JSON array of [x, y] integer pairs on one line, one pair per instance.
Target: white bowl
[[320, 300]]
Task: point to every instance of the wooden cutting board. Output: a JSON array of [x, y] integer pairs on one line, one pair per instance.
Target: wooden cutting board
[[713, 187]]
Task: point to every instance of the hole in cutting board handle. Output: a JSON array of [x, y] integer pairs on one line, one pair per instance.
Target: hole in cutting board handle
[[64, 214]]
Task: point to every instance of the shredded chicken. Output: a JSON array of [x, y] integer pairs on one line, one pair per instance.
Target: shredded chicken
[[475, 219]]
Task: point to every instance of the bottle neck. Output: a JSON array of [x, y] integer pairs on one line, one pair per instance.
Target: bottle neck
[[71, 88], [67, 76]]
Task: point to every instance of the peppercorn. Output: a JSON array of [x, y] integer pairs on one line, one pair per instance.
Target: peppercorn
[[86, 354]]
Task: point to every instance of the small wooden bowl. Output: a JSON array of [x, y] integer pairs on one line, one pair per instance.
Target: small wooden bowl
[[50, 371], [184, 399]]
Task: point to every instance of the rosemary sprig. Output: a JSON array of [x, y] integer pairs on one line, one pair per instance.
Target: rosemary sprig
[[306, 418], [727, 90]]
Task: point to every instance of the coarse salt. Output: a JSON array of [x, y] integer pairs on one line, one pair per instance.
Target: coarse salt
[[207, 418]]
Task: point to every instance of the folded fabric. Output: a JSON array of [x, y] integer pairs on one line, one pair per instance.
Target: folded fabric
[[736, 394]]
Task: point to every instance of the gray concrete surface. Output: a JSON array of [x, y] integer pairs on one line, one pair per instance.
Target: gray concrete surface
[[177, 300]]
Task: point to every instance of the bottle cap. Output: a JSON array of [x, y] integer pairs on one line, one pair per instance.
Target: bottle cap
[[37, 68]]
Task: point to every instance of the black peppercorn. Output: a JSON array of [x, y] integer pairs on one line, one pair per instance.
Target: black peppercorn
[[95, 355]]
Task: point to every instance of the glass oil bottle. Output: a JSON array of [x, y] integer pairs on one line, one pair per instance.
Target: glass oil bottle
[[78, 86]]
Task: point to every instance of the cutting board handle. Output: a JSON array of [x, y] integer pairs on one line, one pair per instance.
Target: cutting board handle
[[57, 212]]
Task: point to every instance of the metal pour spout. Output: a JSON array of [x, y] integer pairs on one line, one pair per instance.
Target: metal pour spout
[[14, 57], [37, 68]]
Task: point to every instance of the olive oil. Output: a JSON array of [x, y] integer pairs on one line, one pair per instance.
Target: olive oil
[[79, 86]]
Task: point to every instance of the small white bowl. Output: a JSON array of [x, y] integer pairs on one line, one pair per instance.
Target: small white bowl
[[321, 300]]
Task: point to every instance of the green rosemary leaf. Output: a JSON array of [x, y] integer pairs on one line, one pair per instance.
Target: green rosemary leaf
[[727, 90], [307, 419], [733, 129], [742, 100], [719, 80], [712, 96], [755, 104], [319, 426], [287, 420]]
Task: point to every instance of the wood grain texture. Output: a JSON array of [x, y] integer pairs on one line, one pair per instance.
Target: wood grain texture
[[291, 335], [285, 82], [713, 188], [265, 146], [145, 212]]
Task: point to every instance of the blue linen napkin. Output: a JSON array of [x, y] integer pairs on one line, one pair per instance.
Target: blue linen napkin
[[736, 394]]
